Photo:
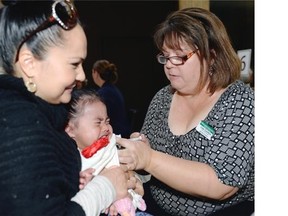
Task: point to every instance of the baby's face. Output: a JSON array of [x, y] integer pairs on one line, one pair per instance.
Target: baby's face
[[93, 124]]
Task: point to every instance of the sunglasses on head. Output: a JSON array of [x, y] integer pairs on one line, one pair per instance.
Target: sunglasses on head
[[63, 13]]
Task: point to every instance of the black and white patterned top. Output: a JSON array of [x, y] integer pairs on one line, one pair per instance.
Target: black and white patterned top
[[230, 151]]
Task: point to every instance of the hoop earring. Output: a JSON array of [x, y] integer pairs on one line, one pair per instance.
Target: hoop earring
[[31, 86]]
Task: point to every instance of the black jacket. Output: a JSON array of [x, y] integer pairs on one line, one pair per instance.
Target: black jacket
[[39, 162]]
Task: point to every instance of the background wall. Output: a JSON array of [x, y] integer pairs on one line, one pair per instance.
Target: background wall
[[121, 31]]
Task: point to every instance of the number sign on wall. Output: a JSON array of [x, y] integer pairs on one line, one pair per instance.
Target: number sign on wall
[[245, 57]]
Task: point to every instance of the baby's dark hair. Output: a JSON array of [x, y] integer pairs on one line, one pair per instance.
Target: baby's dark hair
[[80, 98]]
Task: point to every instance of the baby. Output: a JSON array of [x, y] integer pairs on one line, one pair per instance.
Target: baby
[[90, 127]]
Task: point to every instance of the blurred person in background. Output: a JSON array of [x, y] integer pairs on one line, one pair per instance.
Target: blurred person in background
[[105, 76]]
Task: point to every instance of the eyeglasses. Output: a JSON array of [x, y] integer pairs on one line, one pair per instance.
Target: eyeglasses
[[175, 60], [64, 13]]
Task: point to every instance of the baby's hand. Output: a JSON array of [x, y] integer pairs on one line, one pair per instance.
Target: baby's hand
[[85, 177], [112, 211], [138, 184]]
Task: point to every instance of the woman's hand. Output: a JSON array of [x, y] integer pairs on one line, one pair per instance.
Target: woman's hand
[[133, 183], [137, 182], [85, 177], [119, 179], [136, 154]]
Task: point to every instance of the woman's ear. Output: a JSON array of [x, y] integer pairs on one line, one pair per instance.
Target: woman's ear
[[27, 62]]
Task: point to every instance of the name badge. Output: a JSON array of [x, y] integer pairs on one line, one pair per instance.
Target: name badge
[[205, 129]]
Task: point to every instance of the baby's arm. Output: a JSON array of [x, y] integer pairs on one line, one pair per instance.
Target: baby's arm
[[85, 177]]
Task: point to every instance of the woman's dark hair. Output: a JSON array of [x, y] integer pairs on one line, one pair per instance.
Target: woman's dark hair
[[106, 70], [19, 18], [204, 31]]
